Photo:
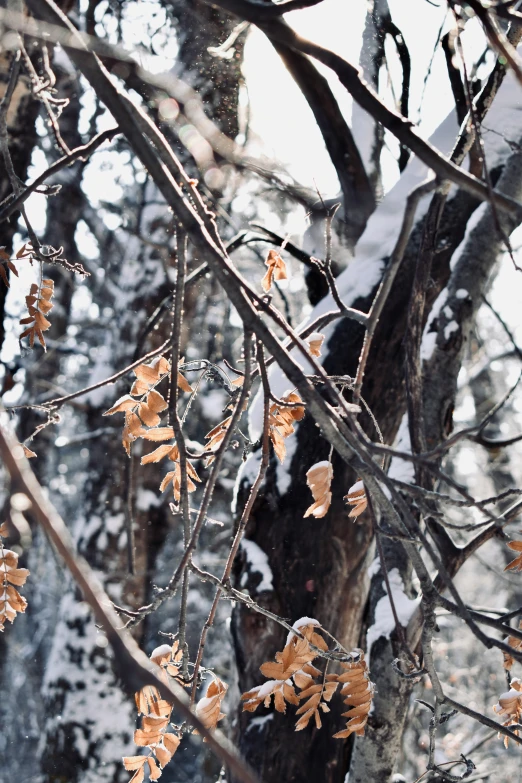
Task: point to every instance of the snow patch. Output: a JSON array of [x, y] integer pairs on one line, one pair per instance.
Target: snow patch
[[147, 499], [212, 404], [259, 722], [450, 329], [246, 474], [299, 624], [429, 338], [384, 622], [374, 567], [258, 563], [400, 469], [283, 476]]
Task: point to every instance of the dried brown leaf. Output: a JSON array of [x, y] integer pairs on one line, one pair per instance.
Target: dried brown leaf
[[183, 384], [171, 742], [146, 738], [154, 770], [132, 763], [319, 479], [315, 342], [208, 709], [138, 776], [158, 454], [356, 497], [516, 564], [159, 433], [276, 270], [125, 403]]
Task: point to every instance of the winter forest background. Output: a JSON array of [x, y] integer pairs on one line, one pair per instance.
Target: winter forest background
[[278, 246]]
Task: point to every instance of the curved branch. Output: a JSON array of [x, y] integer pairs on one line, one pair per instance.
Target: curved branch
[[134, 668]]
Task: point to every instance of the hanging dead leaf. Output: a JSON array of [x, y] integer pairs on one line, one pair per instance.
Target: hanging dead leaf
[[132, 763], [38, 304], [149, 375], [125, 403], [358, 694], [208, 709], [356, 497], [316, 697], [276, 270], [516, 564], [215, 438], [319, 479], [315, 342], [281, 421], [11, 602], [156, 718], [516, 644], [183, 384], [510, 705]]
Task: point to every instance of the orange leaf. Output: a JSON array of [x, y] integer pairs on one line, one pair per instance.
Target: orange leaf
[[159, 433], [132, 763], [155, 771], [171, 742], [183, 384]]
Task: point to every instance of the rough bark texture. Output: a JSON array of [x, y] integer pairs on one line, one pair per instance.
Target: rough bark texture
[[21, 119], [320, 569], [81, 722]]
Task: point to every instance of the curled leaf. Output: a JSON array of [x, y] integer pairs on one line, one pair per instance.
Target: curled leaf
[[319, 479], [276, 270]]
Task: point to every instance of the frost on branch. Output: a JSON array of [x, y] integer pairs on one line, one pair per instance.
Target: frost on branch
[[11, 602], [319, 479]]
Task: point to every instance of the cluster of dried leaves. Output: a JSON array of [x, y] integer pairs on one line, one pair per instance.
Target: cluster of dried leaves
[[319, 479], [155, 732], [293, 669], [38, 304], [142, 408], [510, 705], [281, 420], [11, 602]]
